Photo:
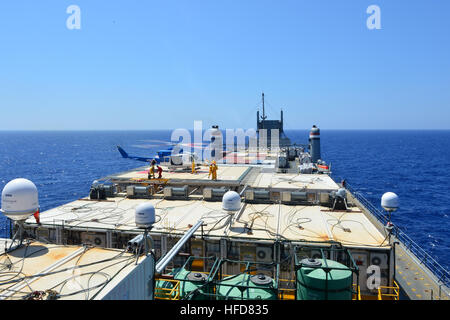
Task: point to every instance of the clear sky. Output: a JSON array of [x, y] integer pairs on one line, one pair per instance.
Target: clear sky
[[163, 64]]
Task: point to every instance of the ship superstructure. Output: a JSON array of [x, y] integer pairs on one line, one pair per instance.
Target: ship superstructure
[[271, 129]]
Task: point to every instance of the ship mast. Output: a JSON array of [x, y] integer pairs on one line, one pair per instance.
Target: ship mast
[[264, 117]]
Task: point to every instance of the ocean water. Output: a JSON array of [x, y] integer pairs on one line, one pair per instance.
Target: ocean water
[[413, 164]]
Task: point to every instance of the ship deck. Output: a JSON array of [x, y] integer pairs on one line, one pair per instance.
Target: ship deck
[[235, 173], [415, 279], [71, 272], [294, 181], [262, 176], [259, 222]]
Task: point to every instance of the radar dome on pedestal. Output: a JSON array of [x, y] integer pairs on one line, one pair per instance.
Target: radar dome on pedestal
[[389, 201], [19, 199], [144, 215], [231, 201]]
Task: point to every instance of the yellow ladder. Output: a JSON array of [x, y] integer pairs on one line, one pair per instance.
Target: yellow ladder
[[389, 296], [171, 293]]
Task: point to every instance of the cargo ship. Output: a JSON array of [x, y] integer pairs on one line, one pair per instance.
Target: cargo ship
[[271, 224]]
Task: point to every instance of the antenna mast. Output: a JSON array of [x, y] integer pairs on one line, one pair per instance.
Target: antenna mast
[[264, 114]]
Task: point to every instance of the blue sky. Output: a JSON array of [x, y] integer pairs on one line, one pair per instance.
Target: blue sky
[[163, 64]]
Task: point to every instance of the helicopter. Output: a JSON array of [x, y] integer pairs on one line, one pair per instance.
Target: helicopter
[[165, 157]]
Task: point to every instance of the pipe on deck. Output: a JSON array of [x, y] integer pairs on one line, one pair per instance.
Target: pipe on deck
[[169, 256]]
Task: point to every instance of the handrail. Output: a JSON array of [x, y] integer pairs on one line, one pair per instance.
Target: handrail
[[168, 293], [4, 230], [357, 293], [283, 294], [441, 273], [395, 288], [287, 293]]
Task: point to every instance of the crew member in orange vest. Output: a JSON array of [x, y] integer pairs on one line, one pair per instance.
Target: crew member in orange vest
[[36, 216], [160, 170]]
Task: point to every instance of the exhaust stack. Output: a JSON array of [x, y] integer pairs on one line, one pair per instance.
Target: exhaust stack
[[314, 144]]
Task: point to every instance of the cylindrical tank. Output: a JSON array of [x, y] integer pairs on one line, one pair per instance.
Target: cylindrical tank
[[313, 283], [191, 281], [314, 144], [247, 287], [216, 142]]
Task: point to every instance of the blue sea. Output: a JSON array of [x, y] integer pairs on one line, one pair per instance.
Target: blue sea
[[413, 164]]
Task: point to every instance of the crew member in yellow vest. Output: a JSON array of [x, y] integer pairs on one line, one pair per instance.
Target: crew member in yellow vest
[[193, 167], [213, 170], [151, 172]]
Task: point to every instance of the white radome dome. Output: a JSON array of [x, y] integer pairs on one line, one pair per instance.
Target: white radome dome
[[19, 199], [231, 201], [390, 201], [144, 215]]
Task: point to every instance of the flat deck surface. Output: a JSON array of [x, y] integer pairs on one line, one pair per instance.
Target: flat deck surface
[[308, 223], [223, 173], [266, 221], [294, 181], [415, 279], [71, 271]]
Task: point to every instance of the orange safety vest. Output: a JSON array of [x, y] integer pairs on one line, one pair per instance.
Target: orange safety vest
[[36, 216]]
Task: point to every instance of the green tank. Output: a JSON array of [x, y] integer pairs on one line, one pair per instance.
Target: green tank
[[190, 281], [313, 284], [246, 286]]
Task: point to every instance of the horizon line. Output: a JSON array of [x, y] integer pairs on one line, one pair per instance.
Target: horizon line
[[140, 130]]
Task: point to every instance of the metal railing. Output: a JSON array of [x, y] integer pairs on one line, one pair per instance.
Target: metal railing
[[169, 293], [441, 273], [395, 295], [6, 230], [357, 292], [284, 292]]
